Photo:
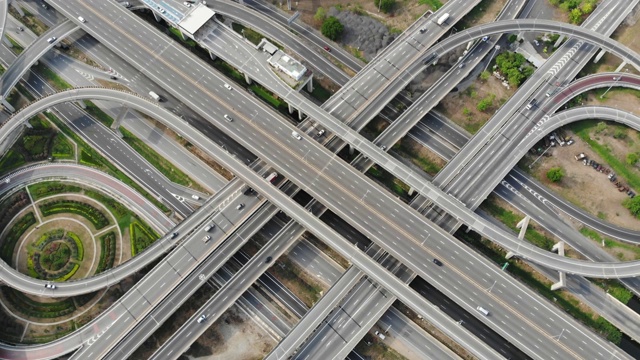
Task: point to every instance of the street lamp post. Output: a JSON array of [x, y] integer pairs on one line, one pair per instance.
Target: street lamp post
[[616, 79]]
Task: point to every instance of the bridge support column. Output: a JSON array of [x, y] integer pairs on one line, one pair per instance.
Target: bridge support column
[[300, 115], [559, 247], [351, 149], [18, 8], [82, 104], [247, 79], [6, 41], [156, 16], [290, 108], [8, 106], [599, 56], [522, 225], [309, 84], [411, 194], [116, 123], [560, 39], [212, 56]]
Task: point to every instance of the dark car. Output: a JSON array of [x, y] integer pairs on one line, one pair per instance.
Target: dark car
[[437, 262], [269, 258], [174, 235], [113, 77], [327, 48]]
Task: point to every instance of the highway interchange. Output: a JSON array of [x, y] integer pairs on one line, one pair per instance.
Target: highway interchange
[[324, 162]]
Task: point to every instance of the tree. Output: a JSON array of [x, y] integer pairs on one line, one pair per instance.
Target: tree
[[555, 174], [632, 158], [485, 75], [332, 28], [320, 15], [633, 205], [575, 16], [385, 5]]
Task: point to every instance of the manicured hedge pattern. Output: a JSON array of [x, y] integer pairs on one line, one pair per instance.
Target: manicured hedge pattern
[[95, 216], [107, 251], [10, 241]]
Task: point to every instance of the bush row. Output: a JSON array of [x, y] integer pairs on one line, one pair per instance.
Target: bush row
[[79, 248], [107, 251], [12, 206], [141, 237], [32, 308], [69, 274], [95, 216], [49, 188]]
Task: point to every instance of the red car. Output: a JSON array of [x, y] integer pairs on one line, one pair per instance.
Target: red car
[[327, 48]]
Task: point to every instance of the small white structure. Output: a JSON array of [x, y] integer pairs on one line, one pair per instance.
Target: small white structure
[[195, 19]]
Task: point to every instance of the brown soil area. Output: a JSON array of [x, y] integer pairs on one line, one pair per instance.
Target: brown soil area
[[234, 336], [405, 13], [602, 200], [461, 107]]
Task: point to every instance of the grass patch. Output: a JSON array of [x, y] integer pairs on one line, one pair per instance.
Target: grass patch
[[474, 14], [372, 347], [189, 42], [90, 157], [97, 113], [562, 298], [62, 148], [52, 77], [12, 159], [609, 243], [141, 237], [40, 310], [159, 162], [433, 4], [29, 20], [425, 164], [511, 219], [16, 48], [320, 93], [583, 130], [389, 181]]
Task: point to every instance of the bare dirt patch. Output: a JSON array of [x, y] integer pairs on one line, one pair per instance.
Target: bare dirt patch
[[583, 186], [461, 107], [234, 336]]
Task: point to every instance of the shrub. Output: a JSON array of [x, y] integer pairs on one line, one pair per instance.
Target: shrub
[[95, 216], [12, 237], [633, 205], [385, 5], [555, 174], [320, 15], [141, 237], [332, 28], [107, 251], [632, 158]]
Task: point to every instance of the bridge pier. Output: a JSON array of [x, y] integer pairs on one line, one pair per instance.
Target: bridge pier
[[522, 225], [411, 194], [290, 108], [351, 149], [559, 247], [6, 41], [8, 106], [309, 84], [16, 7], [82, 104], [599, 56], [212, 55], [116, 123], [156, 16], [560, 39], [248, 79]]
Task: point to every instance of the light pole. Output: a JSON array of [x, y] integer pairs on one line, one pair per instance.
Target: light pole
[[615, 80]]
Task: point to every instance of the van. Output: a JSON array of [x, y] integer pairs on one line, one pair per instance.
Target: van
[[483, 311], [81, 19], [228, 118]]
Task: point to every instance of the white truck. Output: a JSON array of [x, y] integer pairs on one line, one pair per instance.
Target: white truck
[[443, 19], [155, 96]]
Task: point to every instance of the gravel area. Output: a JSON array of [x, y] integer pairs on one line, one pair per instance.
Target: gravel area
[[362, 32]]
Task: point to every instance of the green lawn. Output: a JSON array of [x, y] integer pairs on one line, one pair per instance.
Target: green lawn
[[97, 113], [11, 160], [52, 77], [48, 188]]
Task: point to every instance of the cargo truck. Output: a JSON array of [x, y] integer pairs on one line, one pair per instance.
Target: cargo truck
[[443, 19], [272, 177], [155, 96]]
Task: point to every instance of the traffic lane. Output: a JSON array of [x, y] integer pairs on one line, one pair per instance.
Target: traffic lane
[[326, 270], [174, 268], [192, 283]]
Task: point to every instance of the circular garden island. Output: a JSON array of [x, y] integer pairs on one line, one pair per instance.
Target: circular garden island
[[59, 231]]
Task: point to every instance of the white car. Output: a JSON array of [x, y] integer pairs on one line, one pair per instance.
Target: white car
[[228, 86], [187, 4], [49, 286], [195, 197], [206, 238], [240, 206], [228, 118], [296, 135], [81, 19], [202, 318], [51, 39]]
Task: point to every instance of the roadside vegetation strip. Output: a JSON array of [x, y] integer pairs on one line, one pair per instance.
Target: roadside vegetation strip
[[107, 251], [48, 188], [97, 113], [30, 21], [89, 212], [52, 77], [99, 162], [140, 237], [163, 165], [16, 47], [561, 298], [612, 244], [14, 234], [42, 310]]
